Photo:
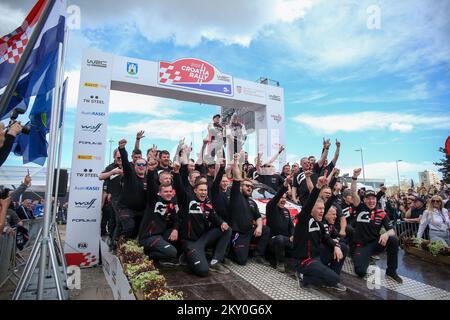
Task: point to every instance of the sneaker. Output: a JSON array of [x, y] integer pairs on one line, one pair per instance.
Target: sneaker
[[281, 268], [182, 260], [394, 276], [337, 287], [375, 257], [219, 268], [260, 260]]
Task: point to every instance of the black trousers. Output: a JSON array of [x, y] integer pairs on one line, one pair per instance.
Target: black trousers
[[158, 247], [195, 250], [280, 245], [361, 258], [105, 224], [240, 244], [327, 257], [316, 273], [129, 221]]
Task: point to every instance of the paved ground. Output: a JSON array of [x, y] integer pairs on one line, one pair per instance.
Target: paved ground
[[422, 280]]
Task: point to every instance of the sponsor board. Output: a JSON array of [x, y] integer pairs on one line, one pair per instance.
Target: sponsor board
[[94, 85], [96, 63], [195, 75], [88, 157], [94, 128], [88, 204], [87, 188], [90, 143], [86, 173], [274, 97], [93, 99], [93, 113], [277, 117], [251, 91]]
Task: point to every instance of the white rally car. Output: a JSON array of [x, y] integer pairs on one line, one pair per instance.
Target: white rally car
[[262, 195]]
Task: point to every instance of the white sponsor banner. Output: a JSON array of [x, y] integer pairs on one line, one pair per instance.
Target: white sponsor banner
[[84, 211]]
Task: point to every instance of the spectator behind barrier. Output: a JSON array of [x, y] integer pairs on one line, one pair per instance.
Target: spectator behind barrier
[[436, 217]]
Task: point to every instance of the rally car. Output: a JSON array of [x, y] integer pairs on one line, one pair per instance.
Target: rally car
[[262, 195]]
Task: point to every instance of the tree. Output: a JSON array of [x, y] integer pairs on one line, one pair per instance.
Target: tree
[[444, 165]]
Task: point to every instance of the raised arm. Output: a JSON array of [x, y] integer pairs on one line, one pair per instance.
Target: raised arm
[[336, 153], [202, 152], [311, 201], [326, 148], [139, 136], [309, 182], [274, 201], [215, 188], [179, 188], [176, 157], [353, 188], [280, 151], [126, 165], [152, 187], [15, 195]]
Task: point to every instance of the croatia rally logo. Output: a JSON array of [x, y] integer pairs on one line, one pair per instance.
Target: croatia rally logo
[[196, 75]]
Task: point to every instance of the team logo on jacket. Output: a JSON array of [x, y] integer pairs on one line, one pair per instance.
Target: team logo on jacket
[[363, 217], [313, 225], [160, 208]]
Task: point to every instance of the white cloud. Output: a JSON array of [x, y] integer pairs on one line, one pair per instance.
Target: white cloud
[[371, 120], [124, 102], [388, 171], [11, 18], [334, 36], [187, 22], [165, 128]]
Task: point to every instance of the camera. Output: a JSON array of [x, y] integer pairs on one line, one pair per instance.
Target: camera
[[13, 118]]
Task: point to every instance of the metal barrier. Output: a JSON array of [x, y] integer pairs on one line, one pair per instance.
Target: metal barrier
[[7, 256], [408, 230], [33, 226]]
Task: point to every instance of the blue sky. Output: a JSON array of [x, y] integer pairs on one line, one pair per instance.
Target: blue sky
[[386, 90]]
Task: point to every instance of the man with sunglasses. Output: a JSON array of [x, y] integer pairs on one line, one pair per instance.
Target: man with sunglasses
[[132, 201], [112, 175], [246, 220]]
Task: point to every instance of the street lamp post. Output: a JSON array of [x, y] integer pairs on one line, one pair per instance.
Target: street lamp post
[[398, 176], [362, 162]]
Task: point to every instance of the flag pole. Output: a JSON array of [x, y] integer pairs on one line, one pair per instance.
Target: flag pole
[[6, 96], [54, 229], [61, 114], [49, 184]]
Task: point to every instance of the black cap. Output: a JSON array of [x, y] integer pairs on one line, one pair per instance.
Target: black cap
[[420, 199], [370, 193], [217, 115], [211, 165]]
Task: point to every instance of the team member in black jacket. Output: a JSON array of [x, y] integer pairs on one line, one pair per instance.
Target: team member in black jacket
[[159, 227], [368, 240], [131, 205], [219, 197], [280, 223], [309, 233], [326, 253], [201, 227], [244, 215]]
